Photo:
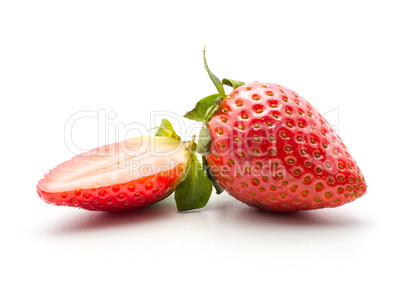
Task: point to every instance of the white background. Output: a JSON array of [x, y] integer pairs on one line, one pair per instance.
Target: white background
[[130, 58]]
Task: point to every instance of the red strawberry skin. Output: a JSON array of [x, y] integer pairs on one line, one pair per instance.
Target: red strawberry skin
[[126, 196], [272, 150]]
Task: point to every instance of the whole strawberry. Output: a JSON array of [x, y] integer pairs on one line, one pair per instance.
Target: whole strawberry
[[269, 148], [129, 175]]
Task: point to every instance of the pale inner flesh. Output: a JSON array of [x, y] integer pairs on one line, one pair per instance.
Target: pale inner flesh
[[117, 163]]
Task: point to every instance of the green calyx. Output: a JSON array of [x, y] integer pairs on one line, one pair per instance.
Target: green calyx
[[166, 130], [208, 106], [194, 190], [210, 175], [215, 80], [199, 112], [203, 111], [232, 83]]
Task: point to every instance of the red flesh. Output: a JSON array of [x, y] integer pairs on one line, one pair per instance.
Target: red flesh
[[126, 196]]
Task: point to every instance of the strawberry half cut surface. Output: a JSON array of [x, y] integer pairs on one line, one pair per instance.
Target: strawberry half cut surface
[[128, 175], [270, 148]]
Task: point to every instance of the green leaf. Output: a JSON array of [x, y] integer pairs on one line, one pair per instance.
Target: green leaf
[[211, 177], [215, 80], [200, 110], [232, 83], [212, 109], [204, 140], [194, 192], [166, 130]]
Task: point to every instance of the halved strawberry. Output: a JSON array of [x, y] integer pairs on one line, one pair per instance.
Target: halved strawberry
[[127, 175]]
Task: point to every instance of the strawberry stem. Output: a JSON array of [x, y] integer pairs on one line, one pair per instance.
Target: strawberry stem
[[193, 145]]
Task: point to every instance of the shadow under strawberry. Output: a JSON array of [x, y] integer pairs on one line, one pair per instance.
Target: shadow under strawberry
[[97, 221]]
